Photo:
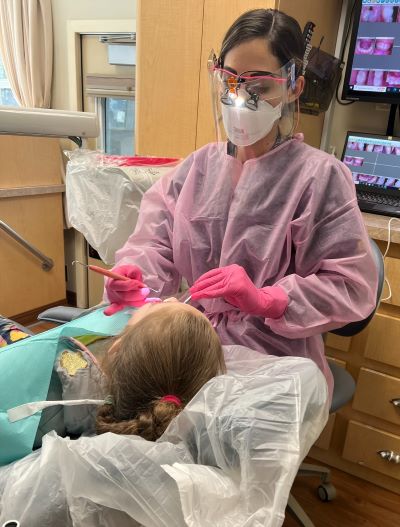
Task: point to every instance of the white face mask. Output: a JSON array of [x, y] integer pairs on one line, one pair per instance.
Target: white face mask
[[245, 127]]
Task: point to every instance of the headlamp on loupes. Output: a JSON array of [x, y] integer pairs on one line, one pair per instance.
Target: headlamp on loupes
[[247, 88]]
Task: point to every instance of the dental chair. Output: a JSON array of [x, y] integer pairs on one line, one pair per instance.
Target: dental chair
[[344, 388], [343, 391]]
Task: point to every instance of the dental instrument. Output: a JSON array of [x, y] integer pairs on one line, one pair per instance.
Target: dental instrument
[[108, 273], [185, 297]]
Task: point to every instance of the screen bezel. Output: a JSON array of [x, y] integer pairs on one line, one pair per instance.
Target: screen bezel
[[351, 95], [367, 188]]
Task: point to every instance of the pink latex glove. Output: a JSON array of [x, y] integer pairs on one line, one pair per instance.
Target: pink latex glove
[[125, 293], [233, 284]]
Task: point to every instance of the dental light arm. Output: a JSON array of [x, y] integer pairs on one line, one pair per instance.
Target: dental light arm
[[48, 123]]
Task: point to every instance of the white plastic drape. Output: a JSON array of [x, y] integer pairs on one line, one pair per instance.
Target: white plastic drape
[[228, 459]]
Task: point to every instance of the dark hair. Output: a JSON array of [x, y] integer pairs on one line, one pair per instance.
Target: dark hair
[[170, 352], [281, 31]]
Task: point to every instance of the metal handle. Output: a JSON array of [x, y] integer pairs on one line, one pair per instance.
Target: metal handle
[[389, 455], [396, 402], [47, 263]]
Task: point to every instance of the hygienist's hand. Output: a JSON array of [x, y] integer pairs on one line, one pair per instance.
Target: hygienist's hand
[[233, 284], [125, 293]]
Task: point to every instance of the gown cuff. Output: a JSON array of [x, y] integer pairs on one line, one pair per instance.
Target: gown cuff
[[277, 301]]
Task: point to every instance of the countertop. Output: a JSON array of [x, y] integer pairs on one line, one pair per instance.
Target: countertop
[[378, 227]]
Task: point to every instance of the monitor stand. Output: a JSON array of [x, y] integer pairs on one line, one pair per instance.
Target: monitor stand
[[392, 117]]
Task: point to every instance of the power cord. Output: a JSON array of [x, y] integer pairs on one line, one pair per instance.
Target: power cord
[[385, 254]]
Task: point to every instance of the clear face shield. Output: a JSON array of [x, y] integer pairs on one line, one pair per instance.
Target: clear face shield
[[250, 105]]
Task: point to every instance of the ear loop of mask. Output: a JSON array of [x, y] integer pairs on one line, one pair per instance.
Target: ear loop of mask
[[298, 115], [293, 87], [298, 98]]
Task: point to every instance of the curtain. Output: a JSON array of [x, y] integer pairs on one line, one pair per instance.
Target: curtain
[[26, 49]]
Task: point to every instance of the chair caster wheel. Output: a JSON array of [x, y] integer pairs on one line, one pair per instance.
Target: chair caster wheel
[[326, 492]]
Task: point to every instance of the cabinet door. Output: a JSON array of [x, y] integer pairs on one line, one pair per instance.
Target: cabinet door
[[167, 76], [383, 338], [363, 444], [30, 164], [29, 161], [392, 273], [378, 394], [24, 285], [218, 16]]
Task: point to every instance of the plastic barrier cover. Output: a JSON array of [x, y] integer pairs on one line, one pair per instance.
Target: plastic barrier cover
[[228, 459], [103, 195]]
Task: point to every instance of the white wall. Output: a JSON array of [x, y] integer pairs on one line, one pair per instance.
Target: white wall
[[64, 10]]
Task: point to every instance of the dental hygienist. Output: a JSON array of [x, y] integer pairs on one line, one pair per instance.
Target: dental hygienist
[[265, 229]]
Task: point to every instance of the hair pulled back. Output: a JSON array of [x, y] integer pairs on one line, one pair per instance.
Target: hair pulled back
[[171, 352], [149, 424]]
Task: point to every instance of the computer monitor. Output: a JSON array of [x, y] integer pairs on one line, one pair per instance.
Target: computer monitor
[[373, 64], [374, 161]]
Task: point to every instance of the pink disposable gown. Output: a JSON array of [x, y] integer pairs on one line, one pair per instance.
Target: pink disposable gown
[[289, 217]]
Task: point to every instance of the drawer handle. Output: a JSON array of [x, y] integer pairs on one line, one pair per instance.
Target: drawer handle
[[396, 402], [389, 455]]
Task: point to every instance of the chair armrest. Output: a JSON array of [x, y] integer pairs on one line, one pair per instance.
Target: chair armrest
[[61, 314], [355, 327]]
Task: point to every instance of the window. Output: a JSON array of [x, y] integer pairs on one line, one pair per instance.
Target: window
[[117, 125], [6, 95], [108, 82], [119, 122]]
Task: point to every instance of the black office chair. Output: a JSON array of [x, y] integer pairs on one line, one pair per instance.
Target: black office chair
[[343, 391]]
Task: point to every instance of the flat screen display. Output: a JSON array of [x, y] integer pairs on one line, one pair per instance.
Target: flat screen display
[[373, 64], [374, 161]]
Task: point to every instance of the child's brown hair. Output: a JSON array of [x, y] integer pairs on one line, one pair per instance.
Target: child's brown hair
[[173, 351]]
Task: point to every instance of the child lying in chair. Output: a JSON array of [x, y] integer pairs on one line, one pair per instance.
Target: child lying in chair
[[166, 353], [201, 435]]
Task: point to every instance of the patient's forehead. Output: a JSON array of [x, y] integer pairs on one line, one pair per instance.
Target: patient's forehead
[[170, 305]]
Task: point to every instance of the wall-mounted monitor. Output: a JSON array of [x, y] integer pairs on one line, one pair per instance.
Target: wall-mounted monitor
[[373, 64]]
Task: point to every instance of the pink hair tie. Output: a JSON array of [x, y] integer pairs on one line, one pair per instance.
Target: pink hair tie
[[171, 399]]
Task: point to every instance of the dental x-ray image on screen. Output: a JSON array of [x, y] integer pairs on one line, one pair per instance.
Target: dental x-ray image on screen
[[373, 64], [374, 161]]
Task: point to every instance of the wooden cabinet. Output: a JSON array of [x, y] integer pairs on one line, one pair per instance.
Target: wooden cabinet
[[370, 424], [31, 204], [392, 272], [383, 340], [378, 394], [367, 446], [173, 113]]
